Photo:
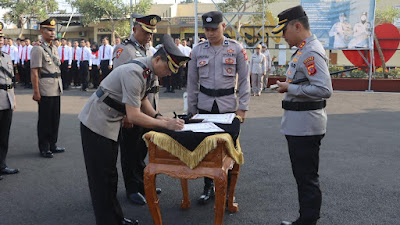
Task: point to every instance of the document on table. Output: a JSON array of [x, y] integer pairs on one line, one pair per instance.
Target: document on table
[[202, 127], [225, 118]]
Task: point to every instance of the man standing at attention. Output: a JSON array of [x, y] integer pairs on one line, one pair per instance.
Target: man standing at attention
[[304, 120], [257, 70]]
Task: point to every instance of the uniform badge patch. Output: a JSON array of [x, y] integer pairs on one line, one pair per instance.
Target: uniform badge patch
[[229, 61], [302, 44], [202, 63], [245, 54], [118, 53], [299, 53], [230, 51], [310, 64], [289, 72], [295, 60], [229, 70]]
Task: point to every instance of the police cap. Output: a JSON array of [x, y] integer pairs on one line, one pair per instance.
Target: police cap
[[288, 15], [1, 29], [148, 23], [175, 57], [212, 19], [50, 24]]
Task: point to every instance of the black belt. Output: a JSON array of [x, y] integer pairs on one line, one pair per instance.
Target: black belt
[[120, 107], [154, 90], [49, 75], [303, 106], [217, 92], [6, 86]]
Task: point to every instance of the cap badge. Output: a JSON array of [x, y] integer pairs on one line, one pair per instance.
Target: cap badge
[[153, 21], [52, 22], [209, 19]]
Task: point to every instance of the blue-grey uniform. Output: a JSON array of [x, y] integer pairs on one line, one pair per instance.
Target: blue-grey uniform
[[212, 76], [304, 119], [257, 70]]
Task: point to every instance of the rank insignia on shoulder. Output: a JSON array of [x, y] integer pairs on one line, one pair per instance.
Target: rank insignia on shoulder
[[245, 54], [299, 53], [230, 51], [118, 53], [302, 44], [146, 73]]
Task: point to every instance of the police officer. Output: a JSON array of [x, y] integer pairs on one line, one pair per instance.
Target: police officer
[[7, 105], [47, 88], [257, 70], [307, 85], [133, 147], [212, 77], [122, 94]]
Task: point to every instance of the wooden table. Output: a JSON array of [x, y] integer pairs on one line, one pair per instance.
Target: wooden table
[[215, 165]]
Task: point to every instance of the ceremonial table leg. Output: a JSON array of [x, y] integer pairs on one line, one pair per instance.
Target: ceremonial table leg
[[185, 204], [233, 207], [151, 195], [220, 181]]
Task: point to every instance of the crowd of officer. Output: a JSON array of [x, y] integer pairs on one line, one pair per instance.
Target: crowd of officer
[[126, 103]]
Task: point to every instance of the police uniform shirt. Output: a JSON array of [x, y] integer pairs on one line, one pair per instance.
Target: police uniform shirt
[[125, 84], [105, 53], [85, 55], [310, 62], [43, 61], [217, 70], [258, 63], [6, 97], [125, 52]]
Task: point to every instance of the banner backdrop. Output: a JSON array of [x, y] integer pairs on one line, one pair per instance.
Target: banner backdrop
[[342, 24]]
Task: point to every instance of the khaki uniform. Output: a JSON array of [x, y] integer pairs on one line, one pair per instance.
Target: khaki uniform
[[257, 70], [6, 96], [216, 68]]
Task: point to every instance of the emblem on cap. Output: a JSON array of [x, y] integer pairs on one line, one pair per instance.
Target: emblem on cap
[[53, 22], [209, 19], [153, 21]]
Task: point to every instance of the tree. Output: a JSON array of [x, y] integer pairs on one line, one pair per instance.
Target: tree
[[23, 11], [95, 10]]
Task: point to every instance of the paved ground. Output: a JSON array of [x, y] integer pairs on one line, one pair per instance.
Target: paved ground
[[359, 168]]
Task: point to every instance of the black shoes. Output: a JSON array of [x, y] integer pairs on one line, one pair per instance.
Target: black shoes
[[208, 193], [299, 222], [137, 198], [57, 150], [158, 191], [46, 154], [8, 171], [126, 221]]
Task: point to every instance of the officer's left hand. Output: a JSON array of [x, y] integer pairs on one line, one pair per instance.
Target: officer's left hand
[[110, 67], [242, 114], [90, 68], [283, 86]]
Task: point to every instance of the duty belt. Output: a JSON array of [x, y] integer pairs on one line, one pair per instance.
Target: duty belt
[[154, 90], [217, 92], [119, 106], [49, 75], [6, 86], [303, 106]]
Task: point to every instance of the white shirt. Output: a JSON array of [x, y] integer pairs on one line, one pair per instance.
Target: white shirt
[[3, 49], [106, 54], [181, 48], [153, 50], [26, 54], [13, 52], [67, 52], [76, 51], [186, 50], [95, 59], [85, 55]]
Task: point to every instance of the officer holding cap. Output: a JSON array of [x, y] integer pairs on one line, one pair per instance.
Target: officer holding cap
[[133, 147], [212, 78], [122, 94], [47, 88], [7, 105], [307, 85]]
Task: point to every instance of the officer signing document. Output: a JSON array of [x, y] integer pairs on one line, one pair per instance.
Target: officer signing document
[[122, 94]]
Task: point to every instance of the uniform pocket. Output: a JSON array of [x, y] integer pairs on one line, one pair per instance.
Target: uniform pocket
[[229, 64], [202, 65]]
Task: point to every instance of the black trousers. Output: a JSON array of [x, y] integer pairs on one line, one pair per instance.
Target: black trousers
[[100, 155], [48, 123], [304, 156], [94, 76], [74, 71], [133, 152], [84, 73], [5, 124], [21, 73], [104, 68], [65, 74], [27, 72]]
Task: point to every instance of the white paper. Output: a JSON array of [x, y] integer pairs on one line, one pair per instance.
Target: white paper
[[225, 118], [202, 127]]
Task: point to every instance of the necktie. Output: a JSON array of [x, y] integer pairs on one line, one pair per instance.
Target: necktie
[[74, 53], [62, 55], [82, 54], [26, 54], [9, 48], [104, 50]]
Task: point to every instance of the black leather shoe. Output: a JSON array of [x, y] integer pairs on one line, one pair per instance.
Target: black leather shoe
[[9, 171], [208, 193], [46, 154], [299, 222], [126, 221], [158, 191], [57, 150], [137, 198]]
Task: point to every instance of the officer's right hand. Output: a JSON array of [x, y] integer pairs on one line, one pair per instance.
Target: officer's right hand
[[36, 96], [69, 66], [175, 124], [98, 66]]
